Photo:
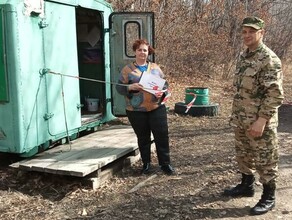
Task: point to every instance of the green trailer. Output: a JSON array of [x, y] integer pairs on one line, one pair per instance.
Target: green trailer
[[59, 62]]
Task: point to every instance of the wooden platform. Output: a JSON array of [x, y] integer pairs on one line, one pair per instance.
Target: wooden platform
[[86, 154]]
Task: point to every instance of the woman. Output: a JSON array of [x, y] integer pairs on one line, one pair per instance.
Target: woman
[[145, 111]]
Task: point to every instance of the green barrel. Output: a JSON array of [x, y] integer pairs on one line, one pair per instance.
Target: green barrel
[[201, 93]]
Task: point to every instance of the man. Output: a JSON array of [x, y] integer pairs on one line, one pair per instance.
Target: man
[[259, 93]]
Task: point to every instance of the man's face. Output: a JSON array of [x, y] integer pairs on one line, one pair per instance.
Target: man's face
[[251, 37]]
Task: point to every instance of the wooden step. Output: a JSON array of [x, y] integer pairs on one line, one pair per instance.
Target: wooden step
[[84, 155]]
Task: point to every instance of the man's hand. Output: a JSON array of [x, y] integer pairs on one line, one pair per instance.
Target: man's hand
[[257, 128]]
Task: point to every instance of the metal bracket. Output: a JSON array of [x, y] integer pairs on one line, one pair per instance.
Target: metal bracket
[[2, 134], [47, 116], [79, 106], [44, 71], [43, 24]]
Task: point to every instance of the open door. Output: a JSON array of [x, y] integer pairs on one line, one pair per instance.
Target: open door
[[60, 54], [125, 28]]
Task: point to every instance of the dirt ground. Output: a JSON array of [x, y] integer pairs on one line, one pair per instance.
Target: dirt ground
[[201, 151]]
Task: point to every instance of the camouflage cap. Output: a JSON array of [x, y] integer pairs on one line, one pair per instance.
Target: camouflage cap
[[253, 22]]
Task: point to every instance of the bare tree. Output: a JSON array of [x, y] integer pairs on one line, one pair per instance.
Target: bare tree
[[202, 37]]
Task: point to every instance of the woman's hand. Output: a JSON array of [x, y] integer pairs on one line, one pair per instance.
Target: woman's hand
[[158, 95], [135, 87]]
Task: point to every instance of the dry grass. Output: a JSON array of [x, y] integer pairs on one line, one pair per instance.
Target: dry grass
[[201, 151]]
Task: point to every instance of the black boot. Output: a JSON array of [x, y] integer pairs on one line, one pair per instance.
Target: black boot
[[168, 169], [146, 168], [267, 201], [245, 188], [145, 152]]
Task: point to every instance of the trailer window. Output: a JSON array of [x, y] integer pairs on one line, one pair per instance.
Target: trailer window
[[132, 32], [3, 74]]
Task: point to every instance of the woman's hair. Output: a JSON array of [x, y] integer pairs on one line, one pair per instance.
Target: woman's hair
[[138, 42]]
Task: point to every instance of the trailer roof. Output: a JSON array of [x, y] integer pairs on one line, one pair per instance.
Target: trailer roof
[[94, 4]]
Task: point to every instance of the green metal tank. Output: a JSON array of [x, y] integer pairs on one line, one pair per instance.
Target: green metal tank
[[54, 58]]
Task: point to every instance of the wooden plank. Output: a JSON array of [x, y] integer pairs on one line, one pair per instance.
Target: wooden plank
[[100, 139], [96, 179], [41, 163], [92, 158], [141, 184], [86, 154], [83, 167], [90, 118]]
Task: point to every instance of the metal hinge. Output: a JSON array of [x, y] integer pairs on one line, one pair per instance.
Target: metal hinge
[[47, 116], [79, 106], [43, 24], [2, 135]]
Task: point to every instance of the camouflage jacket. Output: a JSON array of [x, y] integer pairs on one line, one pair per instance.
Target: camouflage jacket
[[139, 100], [259, 92]]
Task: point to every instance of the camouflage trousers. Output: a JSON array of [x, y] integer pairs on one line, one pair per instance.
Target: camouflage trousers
[[258, 154]]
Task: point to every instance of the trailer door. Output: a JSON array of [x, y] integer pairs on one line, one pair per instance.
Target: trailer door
[[125, 28], [60, 54]]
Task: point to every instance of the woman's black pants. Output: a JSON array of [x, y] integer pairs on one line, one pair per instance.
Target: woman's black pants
[[143, 124]]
